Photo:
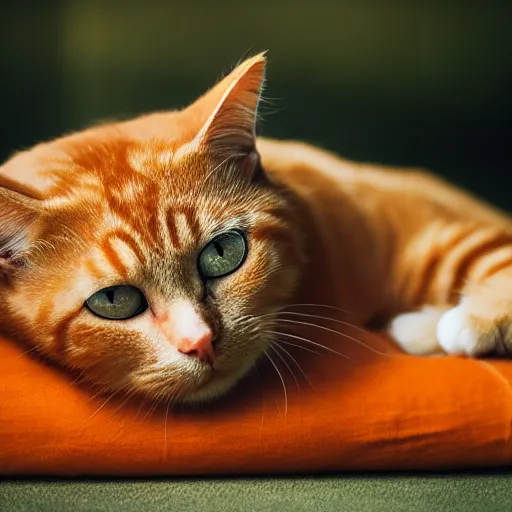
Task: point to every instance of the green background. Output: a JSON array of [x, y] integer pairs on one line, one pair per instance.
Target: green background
[[423, 83]]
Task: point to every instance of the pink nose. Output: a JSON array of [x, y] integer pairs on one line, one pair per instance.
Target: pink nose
[[197, 346], [185, 328]]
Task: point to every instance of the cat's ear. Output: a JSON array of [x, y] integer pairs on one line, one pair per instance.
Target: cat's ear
[[227, 113], [18, 217]]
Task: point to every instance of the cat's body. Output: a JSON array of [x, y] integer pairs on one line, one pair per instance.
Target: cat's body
[[391, 241], [156, 256]]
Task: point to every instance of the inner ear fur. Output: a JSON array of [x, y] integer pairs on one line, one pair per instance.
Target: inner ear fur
[[18, 219], [228, 111]]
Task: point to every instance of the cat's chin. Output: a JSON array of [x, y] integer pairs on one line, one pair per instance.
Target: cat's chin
[[219, 384], [190, 383]]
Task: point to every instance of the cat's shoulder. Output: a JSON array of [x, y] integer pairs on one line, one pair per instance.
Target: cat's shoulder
[[287, 157]]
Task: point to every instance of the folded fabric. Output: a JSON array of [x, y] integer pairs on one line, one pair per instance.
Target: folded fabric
[[377, 409]]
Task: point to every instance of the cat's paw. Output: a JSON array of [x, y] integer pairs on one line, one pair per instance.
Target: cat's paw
[[456, 331], [415, 332], [461, 332], [455, 334]]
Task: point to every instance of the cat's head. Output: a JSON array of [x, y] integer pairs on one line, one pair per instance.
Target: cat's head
[[150, 255]]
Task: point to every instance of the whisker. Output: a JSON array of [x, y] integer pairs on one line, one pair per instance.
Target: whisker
[[157, 400], [274, 348], [342, 322], [77, 379], [126, 397], [148, 409], [282, 382], [165, 427], [142, 406], [27, 352], [359, 342], [296, 363], [299, 346], [101, 406], [100, 392], [295, 336], [328, 306]]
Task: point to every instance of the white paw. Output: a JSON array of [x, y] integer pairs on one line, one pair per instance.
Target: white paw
[[457, 337], [432, 330], [415, 332]]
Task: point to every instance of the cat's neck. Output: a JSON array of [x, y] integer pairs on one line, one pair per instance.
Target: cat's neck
[[334, 229]]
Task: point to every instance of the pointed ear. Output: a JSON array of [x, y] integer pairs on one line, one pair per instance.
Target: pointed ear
[[18, 216], [227, 113]]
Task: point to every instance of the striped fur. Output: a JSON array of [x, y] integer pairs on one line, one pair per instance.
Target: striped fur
[[135, 202]]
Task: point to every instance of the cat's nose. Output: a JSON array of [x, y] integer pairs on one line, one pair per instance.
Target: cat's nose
[[198, 345], [186, 329]]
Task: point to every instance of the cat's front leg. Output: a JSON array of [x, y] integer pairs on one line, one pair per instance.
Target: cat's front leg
[[479, 321], [482, 322]]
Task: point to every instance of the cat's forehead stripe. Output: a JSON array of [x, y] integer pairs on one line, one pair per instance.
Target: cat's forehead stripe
[[122, 251], [113, 258], [182, 222], [131, 243], [93, 269]]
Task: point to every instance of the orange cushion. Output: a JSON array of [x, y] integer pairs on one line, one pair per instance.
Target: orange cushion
[[372, 412]]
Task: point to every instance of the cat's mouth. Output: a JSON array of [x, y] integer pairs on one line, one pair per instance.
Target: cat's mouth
[[175, 384], [218, 382], [186, 379], [214, 379]]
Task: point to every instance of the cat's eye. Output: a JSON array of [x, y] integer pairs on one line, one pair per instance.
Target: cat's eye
[[222, 255], [117, 302]]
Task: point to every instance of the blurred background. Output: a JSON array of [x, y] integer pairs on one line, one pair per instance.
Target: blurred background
[[417, 82]]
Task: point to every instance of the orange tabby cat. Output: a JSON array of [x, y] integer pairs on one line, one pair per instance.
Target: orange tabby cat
[[158, 255]]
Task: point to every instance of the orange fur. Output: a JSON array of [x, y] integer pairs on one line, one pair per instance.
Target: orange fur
[[135, 202]]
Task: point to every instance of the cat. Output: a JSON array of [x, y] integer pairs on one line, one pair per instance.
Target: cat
[[158, 255]]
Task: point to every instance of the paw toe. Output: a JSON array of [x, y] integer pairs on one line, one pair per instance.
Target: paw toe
[[455, 334], [415, 332]]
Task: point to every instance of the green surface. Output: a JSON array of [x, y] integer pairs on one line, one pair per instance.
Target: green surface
[[453, 493]]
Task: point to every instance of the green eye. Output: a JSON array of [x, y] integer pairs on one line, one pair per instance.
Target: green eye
[[223, 255], [117, 302]]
